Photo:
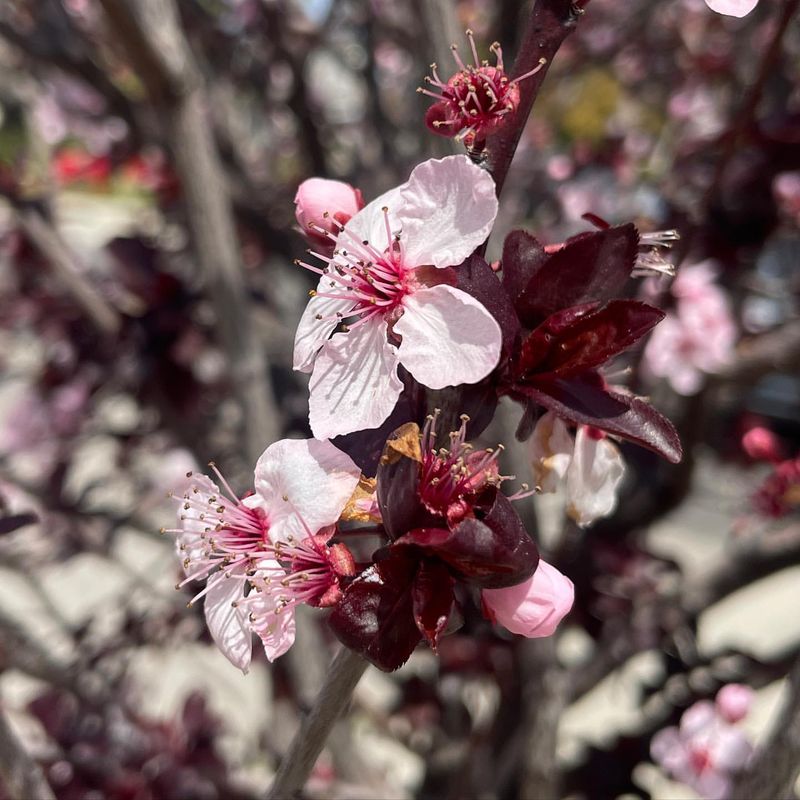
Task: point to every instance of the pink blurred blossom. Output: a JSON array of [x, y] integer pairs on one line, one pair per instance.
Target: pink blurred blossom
[[732, 8], [706, 750], [533, 608], [697, 336]]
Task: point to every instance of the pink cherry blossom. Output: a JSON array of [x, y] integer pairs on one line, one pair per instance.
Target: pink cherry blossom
[[734, 701], [533, 608], [706, 750], [589, 465], [321, 206], [396, 312], [697, 337], [263, 554], [732, 8]]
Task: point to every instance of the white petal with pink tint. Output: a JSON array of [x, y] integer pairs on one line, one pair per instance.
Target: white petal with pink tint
[[312, 333], [592, 478], [229, 625], [354, 385], [732, 8], [551, 447], [276, 629], [303, 485], [449, 338], [369, 225], [449, 208]]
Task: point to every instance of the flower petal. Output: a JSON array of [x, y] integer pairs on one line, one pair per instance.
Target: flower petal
[[228, 624], [354, 385], [551, 447], [301, 481], [449, 208], [732, 8], [449, 338], [593, 477], [370, 223], [312, 333]]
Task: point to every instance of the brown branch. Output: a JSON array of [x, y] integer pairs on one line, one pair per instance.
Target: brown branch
[[22, 776], [66, 266], [151, 33], [343, 675], [776, 765], [550, 22]]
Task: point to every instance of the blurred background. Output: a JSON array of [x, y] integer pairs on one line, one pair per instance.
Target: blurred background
[[149, 156]]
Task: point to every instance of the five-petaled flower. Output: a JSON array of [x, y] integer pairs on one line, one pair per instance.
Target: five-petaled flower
[[386, 291], [263, 554]]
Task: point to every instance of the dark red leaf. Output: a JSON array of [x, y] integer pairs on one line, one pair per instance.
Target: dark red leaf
[[589, 267], [14, 522], [475, 277], [375, 617], [491, 551], [523, 256], [588, 340], [585, 401], [432, 596]]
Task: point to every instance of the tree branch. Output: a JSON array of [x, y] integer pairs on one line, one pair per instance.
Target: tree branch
[[343, 675], [151, 33]]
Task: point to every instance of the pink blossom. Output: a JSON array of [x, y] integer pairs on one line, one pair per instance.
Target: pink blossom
[[734, 701], [263, 554], [533, 608], [732, 8], [589, 464], [477, 100], [706, 750], [324, 205], [761, 444], [697, 337], [396, 312]]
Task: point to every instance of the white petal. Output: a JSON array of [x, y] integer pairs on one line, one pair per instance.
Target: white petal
[[354, 385], [303, 481], [312, 333], [370, 223], [449, 207], [592, 478], [189, 543], [229, 625], [449, 338], [732, 8], [551, 447]]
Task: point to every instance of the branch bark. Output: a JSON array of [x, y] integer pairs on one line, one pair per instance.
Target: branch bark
[[343, 676], [151, 33]]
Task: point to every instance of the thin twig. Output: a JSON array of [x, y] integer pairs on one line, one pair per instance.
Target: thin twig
[[777, 763], [343, 675], [151, 33], [22, 776]]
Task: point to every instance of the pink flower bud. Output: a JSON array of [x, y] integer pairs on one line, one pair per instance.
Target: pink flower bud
[[732, 8], [321, 204], [734, 701], [533, 608], [761, 444]]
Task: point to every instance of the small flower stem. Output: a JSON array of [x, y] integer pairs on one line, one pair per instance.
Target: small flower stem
[[550, 22], [343, 676]]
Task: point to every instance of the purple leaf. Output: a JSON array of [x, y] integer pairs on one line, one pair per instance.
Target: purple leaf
[[588, 340], [491, 550], [590, 266], [523, 256], [375, 617], [432, 596], [585, 401]]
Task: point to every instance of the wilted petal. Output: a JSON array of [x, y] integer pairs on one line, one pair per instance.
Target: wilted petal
[[354, 384], [732, 8], [551, 447], [229, 624], [449, 338], [303, 486], [593, 477], [449, 208], [535, 607]]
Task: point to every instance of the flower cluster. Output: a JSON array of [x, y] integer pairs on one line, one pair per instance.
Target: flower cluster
[[407, 311], [707, 749]]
